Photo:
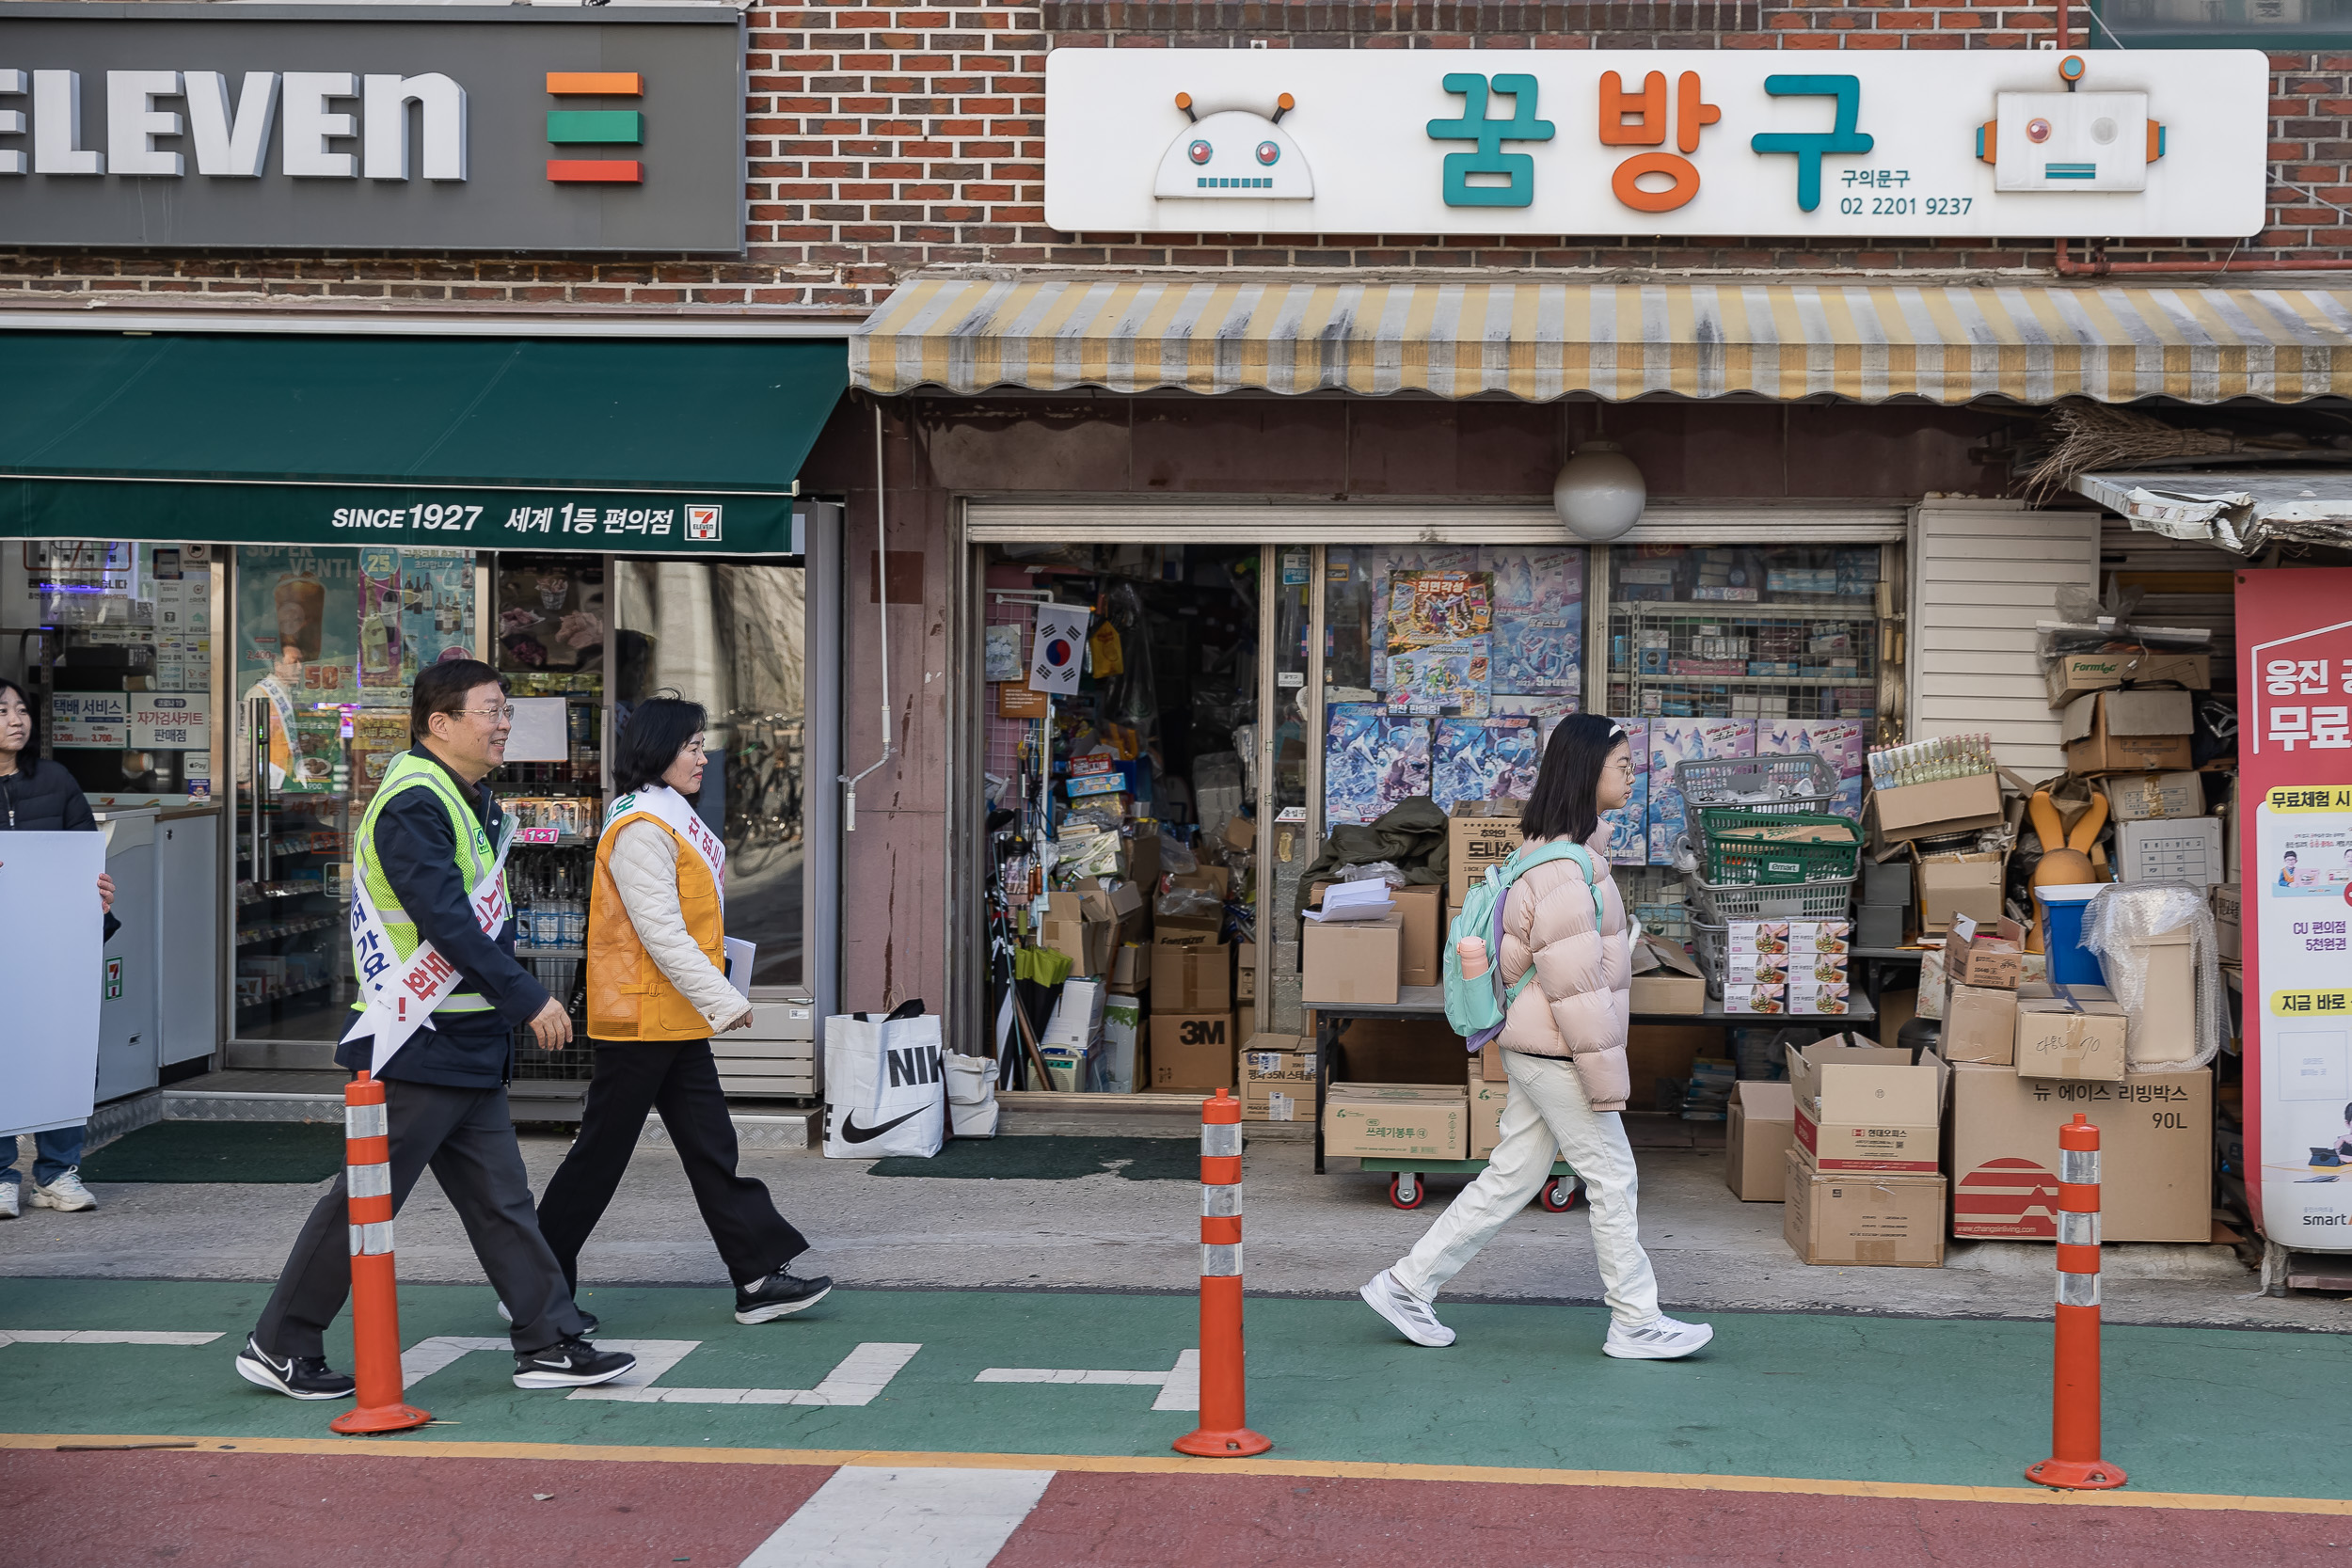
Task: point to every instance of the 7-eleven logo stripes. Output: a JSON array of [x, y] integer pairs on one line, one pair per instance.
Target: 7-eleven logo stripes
[[595, 127]]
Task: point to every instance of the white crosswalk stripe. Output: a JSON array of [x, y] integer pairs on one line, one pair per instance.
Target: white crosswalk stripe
[[102, 1337], [909, 1517]]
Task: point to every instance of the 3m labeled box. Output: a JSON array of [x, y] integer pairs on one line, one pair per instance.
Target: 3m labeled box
[[1430, 1128], [2069, 1032], [2156, 1154], [1886, 1220], [2129, 732], [1861, 1107], [1760, 1134], [1350, 960], [1479, 834], [1192, 1051]]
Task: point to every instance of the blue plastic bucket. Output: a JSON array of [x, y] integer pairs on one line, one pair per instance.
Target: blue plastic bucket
[[2071, 962]]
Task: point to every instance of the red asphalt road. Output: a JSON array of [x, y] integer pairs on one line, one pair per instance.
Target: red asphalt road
[[298, 1510]]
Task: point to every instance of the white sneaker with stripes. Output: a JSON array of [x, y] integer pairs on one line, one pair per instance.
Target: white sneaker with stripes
[[1406, 1312], [1661, 1339]]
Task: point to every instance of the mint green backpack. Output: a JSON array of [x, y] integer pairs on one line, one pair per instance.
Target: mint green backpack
[[1476, 1006]]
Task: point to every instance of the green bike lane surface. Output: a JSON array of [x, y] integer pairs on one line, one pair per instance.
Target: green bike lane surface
[[1797, 1395]]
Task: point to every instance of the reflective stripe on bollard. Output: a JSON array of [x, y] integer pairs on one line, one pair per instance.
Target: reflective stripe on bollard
[[1224, 1431]]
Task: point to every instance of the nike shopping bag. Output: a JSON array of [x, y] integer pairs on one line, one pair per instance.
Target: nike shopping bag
[[885, 1085]]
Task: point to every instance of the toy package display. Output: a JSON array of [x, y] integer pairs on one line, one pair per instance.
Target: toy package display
[[1548, 712], [1628, 825], [1482, 759], [1444, 678], [1430, 608], [1538, 619], [1374, 760]]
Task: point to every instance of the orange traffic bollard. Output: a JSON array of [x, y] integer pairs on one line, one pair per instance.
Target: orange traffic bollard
[[1224, 1430], [2074, 1464], [374, 1294]]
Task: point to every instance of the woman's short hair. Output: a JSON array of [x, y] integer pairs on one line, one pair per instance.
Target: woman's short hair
[[656, 733], [1566, 801], [31, 753]]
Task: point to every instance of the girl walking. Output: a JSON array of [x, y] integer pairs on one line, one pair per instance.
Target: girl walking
[[1564, 1047]]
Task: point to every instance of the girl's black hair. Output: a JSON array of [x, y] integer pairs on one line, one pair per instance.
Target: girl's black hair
[[652, 738], [1565, 802], [31, 755]]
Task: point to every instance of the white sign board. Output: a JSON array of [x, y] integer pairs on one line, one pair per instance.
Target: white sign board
[[539, 733], [52, 967], [93, 719], [169, 722], [1978, 143]]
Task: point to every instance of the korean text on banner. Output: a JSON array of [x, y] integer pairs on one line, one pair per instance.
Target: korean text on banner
[[52, 964], [1058, 654], [2294, 648]]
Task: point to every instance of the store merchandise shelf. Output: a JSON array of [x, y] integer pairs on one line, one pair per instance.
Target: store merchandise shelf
[[280, 889], [281, 992], [1654, 681], [1748, 609], [253, 936], [550, 952]]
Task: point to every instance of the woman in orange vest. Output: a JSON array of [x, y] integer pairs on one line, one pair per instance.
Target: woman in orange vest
[[657, 990]]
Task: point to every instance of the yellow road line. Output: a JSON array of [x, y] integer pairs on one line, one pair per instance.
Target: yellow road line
[[1177, 1464]]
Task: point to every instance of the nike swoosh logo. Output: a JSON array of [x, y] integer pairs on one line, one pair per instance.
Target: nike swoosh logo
[[852, 1133]]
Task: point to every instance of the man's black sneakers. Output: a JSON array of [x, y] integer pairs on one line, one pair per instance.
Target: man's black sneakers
[[779, 1295], [300, 1377], [569, 1364]]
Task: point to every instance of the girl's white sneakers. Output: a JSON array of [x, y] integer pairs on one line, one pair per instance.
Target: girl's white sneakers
[[1661, 1339], [1406, 1312]]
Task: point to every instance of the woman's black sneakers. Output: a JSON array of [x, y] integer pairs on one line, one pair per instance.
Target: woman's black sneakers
[[569, 1364], [779, 1295], [299, 1377]]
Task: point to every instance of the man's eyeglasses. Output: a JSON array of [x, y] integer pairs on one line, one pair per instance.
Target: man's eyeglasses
[[495, 714]]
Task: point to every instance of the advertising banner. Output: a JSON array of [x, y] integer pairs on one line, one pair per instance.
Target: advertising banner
[[2295, 785]]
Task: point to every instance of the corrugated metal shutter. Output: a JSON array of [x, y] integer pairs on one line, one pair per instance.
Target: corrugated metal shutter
[[1983, 573], [2186, 584]]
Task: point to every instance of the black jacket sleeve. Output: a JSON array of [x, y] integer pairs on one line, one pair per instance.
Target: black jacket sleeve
[[74, 807], [415, 846]]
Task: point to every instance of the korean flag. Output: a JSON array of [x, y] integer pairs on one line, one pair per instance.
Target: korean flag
[[1059, 651]]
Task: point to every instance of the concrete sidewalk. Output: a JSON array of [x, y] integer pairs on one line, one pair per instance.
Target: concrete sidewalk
[[1309, 1236]]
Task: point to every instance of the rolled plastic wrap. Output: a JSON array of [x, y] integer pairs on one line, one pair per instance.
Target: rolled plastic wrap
[[2123, 924]]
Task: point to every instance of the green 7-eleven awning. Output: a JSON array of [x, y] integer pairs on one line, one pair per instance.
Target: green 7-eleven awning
[[668, 446]]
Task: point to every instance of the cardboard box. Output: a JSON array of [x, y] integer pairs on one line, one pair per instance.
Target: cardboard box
[[1979, 1025], [1948, 806], [2143, 797], [1759, 1134], [1244, 971], [1395, 1050], [1131, 970], [1886, 1221], [1861, 1107], [1485, 1112], [2069, 1032], [1083, 925], [2229, 921], [1277, 1068], [1668, 993], [1351, 960], [1244, 1025], [1989, 956], [1955, 886], [2162, 1036], [1420, 909], [1077, 1014], [2156, 1154], [1426, 1129], [1479, 834], [1192, 979], [1192, 1051], [2129, 732], [2187, 850], [2069, 676]]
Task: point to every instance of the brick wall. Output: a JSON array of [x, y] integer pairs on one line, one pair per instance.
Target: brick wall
[[889, 139]]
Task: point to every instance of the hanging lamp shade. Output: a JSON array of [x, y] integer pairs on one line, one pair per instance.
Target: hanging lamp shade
[[1599, 493]]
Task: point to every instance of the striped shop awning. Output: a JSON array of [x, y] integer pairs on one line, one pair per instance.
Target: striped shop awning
[[2031, 342]]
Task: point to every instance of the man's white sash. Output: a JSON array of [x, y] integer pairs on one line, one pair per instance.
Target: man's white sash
[[675, 812], [399, 997]]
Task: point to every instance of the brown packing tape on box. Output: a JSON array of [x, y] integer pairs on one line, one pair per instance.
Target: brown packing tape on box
[[1351, 960]]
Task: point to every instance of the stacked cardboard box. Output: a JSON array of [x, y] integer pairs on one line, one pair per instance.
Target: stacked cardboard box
[[1351, 960], [1278, 1079], [1982, 968], [1863, 1181], [2156, 1153], [1422, 1122]]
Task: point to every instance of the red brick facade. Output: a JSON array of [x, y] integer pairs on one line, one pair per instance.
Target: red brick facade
[[890, 140]]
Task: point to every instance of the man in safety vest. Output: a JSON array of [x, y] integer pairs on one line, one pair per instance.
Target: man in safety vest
[[433, 948]]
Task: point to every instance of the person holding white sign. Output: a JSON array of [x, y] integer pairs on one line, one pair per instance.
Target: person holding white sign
[[40, 796], [433, 943], [657, 990]]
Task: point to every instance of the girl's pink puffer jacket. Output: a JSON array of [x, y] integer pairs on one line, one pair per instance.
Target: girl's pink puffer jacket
[[1583, 975]]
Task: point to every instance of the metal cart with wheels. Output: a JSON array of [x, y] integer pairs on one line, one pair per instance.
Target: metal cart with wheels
[[1406, 1189]]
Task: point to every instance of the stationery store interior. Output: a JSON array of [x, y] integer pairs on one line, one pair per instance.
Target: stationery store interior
[[1234, 795]]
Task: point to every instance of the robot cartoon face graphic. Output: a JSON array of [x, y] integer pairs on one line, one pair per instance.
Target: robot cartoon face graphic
[[2071, 140], [1233, 154]]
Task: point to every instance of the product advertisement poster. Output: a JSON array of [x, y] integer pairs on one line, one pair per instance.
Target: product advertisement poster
[[297, 646], [2295, 782]]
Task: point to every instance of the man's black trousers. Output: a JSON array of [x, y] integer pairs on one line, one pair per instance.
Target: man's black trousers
[[467, 1137], [679, 1080]]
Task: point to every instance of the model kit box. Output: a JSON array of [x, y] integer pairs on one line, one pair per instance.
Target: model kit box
[[2129, 732], [1861, 1107], [1760, 1134], [2156, 1154], [1192, 1051], [1425, 1128], [2069, 1032], [1889, 1221]]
